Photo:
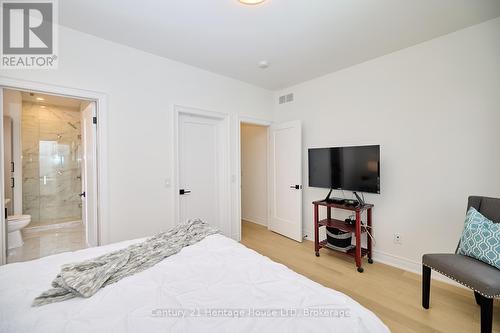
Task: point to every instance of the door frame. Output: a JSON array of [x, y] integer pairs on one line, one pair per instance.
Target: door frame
[[226, 181], [3, 229], [258, 122], [90, 187], [101, 101]]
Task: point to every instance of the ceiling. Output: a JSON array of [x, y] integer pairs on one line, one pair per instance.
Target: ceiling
[[51, 100], [301, 39]]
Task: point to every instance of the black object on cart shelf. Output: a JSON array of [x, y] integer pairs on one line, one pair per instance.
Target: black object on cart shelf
[[339, 240]]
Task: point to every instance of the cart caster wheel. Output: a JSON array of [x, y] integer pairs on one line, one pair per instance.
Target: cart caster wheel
[[360, 269], [317, 253], [370, 260]]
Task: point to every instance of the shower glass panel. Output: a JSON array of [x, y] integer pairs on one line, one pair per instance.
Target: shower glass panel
[[51, 164]]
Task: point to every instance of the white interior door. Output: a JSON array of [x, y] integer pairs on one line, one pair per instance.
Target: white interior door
[[285, 180], [89, 176], [202, 147]]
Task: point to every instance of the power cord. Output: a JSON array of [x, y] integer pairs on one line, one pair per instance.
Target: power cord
[[368, 232], [366, 227]]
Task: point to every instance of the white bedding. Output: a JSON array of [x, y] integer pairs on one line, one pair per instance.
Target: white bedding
[[209, 280]]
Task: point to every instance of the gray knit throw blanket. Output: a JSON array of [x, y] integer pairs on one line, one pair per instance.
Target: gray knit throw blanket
[[85, 278]]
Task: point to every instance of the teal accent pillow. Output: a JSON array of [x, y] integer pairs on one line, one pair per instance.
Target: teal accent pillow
[[481, 238]]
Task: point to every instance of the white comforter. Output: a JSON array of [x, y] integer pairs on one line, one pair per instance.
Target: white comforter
[[218, 285]]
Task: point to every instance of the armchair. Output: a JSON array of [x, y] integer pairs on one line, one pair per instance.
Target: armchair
[[482, 278]]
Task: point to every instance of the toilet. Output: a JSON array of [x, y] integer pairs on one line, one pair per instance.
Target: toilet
[[14, 225]]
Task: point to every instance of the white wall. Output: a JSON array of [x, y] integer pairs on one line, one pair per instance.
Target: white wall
[[142, 90], [435, 110], [254, 173], [12, 107]]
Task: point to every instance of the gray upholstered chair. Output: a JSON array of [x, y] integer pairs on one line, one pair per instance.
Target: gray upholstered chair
[[474, 274]]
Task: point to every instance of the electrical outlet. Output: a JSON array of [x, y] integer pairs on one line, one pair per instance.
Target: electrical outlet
[[397, 238]]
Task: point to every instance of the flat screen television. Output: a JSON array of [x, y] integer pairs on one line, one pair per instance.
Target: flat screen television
[[345, 168]]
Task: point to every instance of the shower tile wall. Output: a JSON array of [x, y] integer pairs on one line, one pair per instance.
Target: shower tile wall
[[51, 145]]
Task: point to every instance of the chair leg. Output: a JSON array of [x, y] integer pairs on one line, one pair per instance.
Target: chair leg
[[478, 297], [486, 314], [426, 286]]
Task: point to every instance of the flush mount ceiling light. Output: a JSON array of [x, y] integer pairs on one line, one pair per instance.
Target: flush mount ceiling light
[[40, 99], [251, 2], [263, 64]]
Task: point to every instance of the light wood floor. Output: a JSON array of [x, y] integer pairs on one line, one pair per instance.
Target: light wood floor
[[393, 294]]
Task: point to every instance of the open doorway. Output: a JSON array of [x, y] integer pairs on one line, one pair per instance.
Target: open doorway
[[278, 189], [49, 176], [254, 163]]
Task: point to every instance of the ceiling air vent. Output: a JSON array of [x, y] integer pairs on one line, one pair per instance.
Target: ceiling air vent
[[286, 99]]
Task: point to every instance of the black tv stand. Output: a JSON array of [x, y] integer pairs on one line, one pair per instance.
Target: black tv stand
[[361, 201], [327, 199]]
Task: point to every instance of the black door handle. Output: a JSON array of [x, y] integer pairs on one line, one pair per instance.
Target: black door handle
[[183, 191], [82, 195], [296, 187]]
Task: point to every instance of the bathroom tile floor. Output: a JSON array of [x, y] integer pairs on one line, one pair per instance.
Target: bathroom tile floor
[[39, 244]]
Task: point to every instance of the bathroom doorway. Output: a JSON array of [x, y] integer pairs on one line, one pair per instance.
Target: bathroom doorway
[[49, 167]]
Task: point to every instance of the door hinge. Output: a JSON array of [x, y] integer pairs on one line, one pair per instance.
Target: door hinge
[[94, 120]]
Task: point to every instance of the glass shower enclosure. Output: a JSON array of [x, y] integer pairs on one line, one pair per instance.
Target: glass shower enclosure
[[51, 148]]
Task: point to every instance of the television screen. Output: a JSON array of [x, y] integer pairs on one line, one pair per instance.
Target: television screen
[[346, 168], [324, 168]]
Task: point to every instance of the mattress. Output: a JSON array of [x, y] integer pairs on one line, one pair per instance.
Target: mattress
[[216, 285]]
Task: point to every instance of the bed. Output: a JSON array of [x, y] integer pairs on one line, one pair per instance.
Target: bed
[[216, 285]]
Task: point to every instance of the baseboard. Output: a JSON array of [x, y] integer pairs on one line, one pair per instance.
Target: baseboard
[[396, 261], [409, 266], [256, 221], [308, 234], [399, 262]]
